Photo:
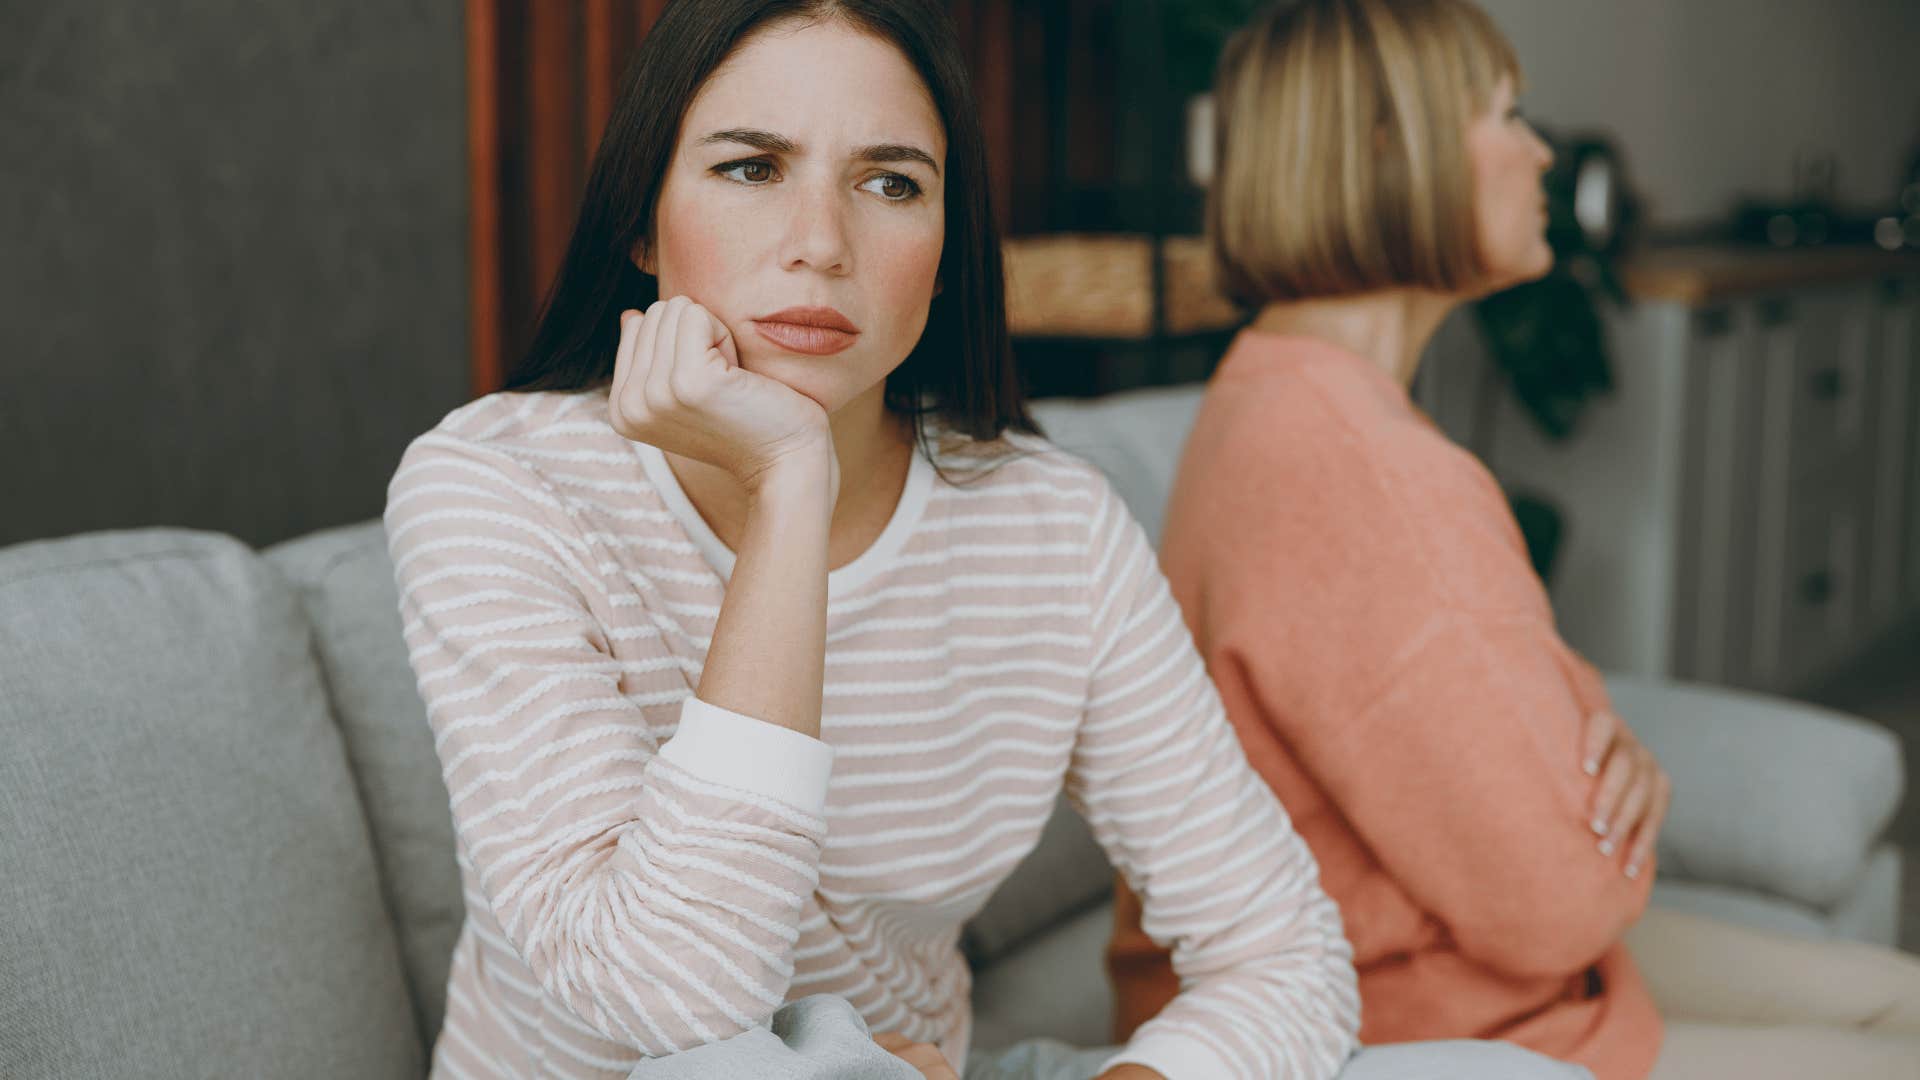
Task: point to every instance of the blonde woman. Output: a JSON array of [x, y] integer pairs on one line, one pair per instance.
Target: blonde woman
[[1382, 645]]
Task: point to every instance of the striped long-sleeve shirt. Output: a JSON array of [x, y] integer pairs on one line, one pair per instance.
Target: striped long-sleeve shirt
[[645, 873]]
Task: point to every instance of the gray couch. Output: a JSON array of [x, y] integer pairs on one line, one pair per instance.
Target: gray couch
[[225, 847]]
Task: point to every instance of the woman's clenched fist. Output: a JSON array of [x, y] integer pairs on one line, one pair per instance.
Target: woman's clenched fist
[[678, 385]]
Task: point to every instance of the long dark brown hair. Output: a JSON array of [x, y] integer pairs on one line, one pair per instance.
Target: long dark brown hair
[[960, 373]]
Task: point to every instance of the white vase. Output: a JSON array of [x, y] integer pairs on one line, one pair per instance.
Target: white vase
[[1200, 139]]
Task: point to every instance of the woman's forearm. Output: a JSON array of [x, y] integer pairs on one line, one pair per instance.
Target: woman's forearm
[[768, 655]]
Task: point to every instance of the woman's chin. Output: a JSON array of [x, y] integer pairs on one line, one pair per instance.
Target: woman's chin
[[1537, 264], [812, 377]]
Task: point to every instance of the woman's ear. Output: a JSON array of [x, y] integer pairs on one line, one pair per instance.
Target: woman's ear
[[643, 258]]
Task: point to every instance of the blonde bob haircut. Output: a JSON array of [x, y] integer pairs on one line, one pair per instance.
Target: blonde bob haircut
[[1341, 147]]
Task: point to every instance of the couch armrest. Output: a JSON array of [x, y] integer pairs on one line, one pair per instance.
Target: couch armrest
[[1770, 794]]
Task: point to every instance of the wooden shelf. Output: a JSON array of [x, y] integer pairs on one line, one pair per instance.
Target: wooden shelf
[[1100, 286], [1706, 274], [1090, 286]]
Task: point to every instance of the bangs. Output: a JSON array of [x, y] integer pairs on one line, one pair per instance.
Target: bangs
[[1485, 53]]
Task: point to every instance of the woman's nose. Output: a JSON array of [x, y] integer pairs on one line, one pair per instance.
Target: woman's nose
[[816, 237]]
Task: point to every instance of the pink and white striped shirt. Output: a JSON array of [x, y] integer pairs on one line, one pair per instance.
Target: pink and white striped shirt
[[646, 873]]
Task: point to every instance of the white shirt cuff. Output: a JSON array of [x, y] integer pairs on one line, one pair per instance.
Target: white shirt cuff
[[738, 751], [1176, 1057]]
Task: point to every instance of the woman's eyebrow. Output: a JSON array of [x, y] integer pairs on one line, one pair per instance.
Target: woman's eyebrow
[[885, 152], [772, 143], [760, 140]]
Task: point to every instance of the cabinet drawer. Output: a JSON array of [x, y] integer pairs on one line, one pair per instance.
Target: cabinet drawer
[[1808, 613], [1829, 337]]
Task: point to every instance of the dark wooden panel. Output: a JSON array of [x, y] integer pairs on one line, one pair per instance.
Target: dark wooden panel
[[484, 256], [553, 131], [606, 33]]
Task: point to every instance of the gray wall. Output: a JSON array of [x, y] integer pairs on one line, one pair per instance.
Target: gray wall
[[1713, 98], [233, 280]]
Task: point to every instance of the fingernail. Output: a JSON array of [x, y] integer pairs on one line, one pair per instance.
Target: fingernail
[[1633, 870], [1592, 767], [1606, 846], [1600, 826]]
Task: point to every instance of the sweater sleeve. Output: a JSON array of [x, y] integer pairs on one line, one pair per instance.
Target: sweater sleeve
[[653, 888], [1376, 605], [1457, 778], [1267, 982]]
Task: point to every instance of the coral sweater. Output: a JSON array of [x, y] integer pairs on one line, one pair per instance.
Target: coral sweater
[[1363, 598]]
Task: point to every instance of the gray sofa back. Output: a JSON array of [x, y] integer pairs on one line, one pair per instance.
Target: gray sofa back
[[184, 864], [345, 581]]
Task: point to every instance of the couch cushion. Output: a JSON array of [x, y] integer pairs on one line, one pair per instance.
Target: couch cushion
[[346, 582], [1769, 794], [1743, 907], [189, 888], [1871, 912]]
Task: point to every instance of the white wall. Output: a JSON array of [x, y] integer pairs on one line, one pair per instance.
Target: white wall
[[1711, 99]]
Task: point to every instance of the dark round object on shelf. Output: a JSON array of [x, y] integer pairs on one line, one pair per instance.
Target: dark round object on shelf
[[1594, 176]]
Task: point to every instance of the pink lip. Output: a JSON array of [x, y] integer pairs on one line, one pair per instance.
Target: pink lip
[[814, 331]]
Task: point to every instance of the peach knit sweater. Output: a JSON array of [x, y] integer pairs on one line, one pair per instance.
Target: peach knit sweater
[[1363, 598]]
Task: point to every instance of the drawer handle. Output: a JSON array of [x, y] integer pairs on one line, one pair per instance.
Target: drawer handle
[[1775, 312], [1827, 384], [1817, 588]]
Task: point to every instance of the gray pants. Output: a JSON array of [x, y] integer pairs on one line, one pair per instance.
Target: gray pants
[[822, 1038]]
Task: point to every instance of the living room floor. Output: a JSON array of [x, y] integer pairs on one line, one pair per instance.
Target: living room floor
[[1885, 687]]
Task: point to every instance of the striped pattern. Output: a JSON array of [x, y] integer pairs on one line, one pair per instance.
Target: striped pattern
[[1021, 639]]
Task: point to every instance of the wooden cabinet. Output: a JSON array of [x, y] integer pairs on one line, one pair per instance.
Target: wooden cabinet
[[1712, 598], [1745, 508], [1815, 368], [1891, 407]]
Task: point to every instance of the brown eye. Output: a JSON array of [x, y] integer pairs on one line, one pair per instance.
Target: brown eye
[[747, 172], [892, 187]]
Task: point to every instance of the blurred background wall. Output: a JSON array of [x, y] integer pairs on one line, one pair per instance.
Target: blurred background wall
[[252, 249], [233, 280], [1713, 99]]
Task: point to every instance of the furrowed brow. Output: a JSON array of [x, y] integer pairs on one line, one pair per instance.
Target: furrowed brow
[[886, 152], [765, 141]]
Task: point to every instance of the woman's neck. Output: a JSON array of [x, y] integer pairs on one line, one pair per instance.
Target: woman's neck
[[1390, 327], [875, 448]]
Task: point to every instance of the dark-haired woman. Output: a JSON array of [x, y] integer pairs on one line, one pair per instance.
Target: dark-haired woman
[[759, 633]]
